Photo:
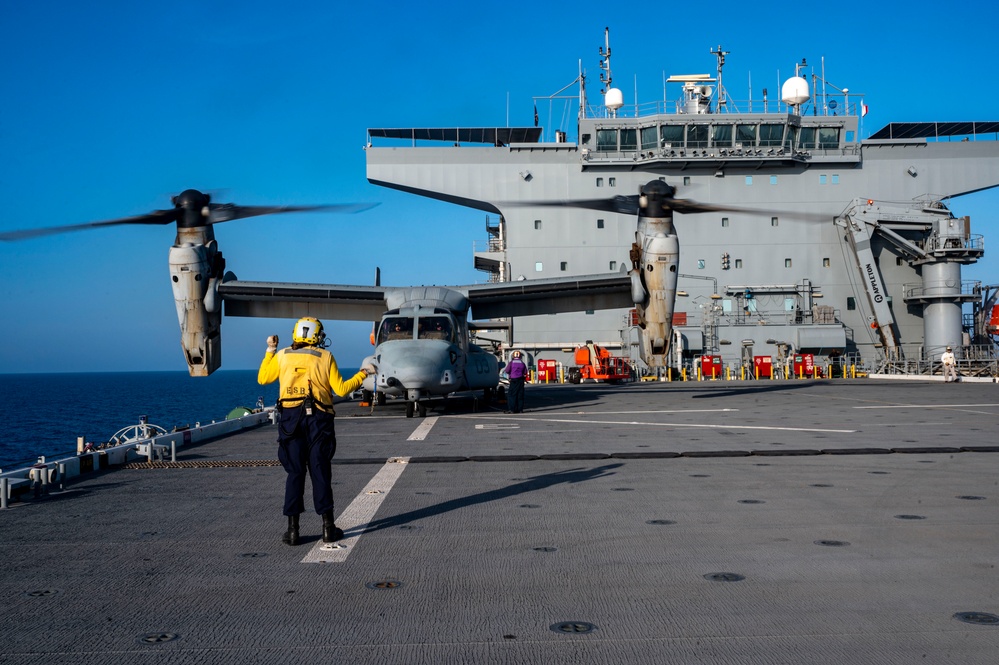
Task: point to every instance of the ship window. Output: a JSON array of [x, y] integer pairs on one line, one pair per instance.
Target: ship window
[[672, 135], [589, 311], [806, 138], [822, 179], [771, 134], [606, 140], [629, 139], [697, 136], [828, 137], [537, 225], [835, 179], [538, 267], [613, 266], [791, 137], [721, 135], [745, 135], [650, 138], [825, 263], [789, 304], [787, 263], [773, 180], [749, 180], [774, 221], [899, 260], [700, 264], [563, 266], [686, 180], [724, 221], [612, 182], [600, 182], [851, 303], [738, 263], [600, 223]]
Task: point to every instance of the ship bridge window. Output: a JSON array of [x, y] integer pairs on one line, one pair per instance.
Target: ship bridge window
[[806, 138], [672, 135], [721, 135], [650, 138], [606, 140], [745, 135], [697, 136], [828, 137], [629, 139], [771, 135]]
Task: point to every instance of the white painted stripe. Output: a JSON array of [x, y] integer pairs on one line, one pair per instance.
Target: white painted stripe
[[498, 426], [923, 406], [691, 425], [358, 515], [420, 433]]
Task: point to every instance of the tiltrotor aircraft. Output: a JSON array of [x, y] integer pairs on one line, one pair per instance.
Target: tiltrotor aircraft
[[423, 341]]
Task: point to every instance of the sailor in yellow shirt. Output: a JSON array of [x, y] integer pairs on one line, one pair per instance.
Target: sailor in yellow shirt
[[306, 438]]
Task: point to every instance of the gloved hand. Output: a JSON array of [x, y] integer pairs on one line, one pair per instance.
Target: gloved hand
[[272, 344], [369, 369]]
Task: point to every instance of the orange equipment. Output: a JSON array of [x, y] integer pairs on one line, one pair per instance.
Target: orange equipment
[[596, 362]]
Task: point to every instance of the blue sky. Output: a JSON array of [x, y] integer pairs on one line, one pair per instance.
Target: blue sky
[[111, 108]]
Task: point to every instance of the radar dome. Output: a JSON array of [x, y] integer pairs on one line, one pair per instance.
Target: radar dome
[[795, 91], [614, 99]]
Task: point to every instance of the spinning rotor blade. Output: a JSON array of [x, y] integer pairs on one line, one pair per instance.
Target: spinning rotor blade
[[226, 212], [157, 217], [191, 209], [626, 205]]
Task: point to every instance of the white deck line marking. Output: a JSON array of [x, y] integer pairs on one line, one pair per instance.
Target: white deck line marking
[[695, 425], [356, 517], [420, 433], [923, 406]]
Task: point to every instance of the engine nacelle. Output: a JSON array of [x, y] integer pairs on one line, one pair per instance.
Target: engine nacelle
[[195, 271], [659, 264]]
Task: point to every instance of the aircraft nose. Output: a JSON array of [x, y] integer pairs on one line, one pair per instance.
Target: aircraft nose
[[417, 364]]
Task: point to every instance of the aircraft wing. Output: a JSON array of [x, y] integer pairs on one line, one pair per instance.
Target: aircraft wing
[[550, 296], [284, 300]]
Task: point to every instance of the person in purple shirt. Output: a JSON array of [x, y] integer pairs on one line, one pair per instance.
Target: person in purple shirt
[[517, 372]]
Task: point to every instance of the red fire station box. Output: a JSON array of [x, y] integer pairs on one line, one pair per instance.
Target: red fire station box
[[803, 364], [547, 370], [711, 367], [763, 366]]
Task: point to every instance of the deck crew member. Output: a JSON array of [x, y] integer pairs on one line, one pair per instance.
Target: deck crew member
[[517, 371], [949, 365], [306, 438]]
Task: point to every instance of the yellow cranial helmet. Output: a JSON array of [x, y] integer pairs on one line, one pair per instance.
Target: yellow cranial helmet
[[308, 330]]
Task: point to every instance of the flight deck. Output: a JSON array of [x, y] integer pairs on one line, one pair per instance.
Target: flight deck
[[821, 521]]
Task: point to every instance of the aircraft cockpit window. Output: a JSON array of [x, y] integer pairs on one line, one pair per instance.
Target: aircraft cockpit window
[[436, 327], [394, 328]]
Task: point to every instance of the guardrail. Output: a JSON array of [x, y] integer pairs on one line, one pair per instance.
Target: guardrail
[[40, 477]]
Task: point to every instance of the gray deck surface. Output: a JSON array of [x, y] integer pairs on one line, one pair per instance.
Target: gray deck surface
[[475, 560]]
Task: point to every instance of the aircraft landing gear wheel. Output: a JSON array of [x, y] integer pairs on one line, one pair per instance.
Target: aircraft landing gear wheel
[[367, 396], [410, 409], [487, 396], [380, 399], [422, 408]]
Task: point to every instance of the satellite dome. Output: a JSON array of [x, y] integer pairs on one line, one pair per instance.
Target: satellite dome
[[794, 91], [614, 99]]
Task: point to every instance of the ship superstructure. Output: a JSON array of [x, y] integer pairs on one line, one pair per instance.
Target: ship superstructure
[[840, 246]]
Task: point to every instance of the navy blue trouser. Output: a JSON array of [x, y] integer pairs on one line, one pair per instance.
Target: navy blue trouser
[[515, 397], [306, 444]]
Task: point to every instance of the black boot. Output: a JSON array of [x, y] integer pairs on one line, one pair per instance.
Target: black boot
[[331, 532], [290, 536]]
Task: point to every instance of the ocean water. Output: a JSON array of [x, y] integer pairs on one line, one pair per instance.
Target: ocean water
[[44, 413]]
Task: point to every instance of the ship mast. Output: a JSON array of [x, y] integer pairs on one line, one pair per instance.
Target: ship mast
[[720, 54]]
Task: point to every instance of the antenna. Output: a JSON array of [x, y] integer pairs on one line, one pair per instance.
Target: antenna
[[720, 54], [605, 68]]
